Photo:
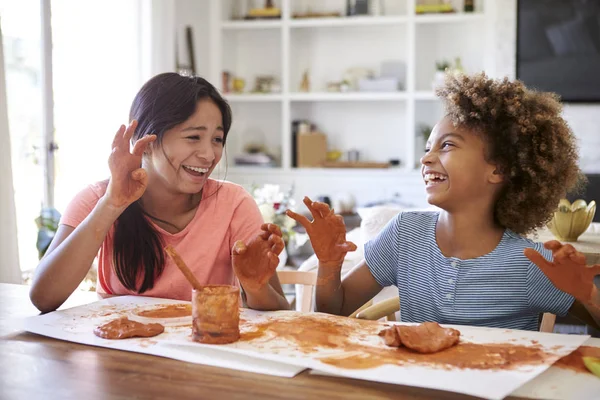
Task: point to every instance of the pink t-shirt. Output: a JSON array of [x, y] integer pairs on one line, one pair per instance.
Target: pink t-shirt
[[227, 213]]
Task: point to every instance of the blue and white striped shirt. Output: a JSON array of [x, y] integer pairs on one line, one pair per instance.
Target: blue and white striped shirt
[[501, 289]]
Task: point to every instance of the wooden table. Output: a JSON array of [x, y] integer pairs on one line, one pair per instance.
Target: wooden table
[[35, 366]]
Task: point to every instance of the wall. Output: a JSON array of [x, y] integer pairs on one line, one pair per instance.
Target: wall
[[584, 119]]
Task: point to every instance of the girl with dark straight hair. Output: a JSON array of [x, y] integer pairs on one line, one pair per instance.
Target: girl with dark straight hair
[[160, 194]]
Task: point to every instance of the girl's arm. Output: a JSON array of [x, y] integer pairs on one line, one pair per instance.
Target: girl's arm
[[69, 257], [338, 297], [72, 251], [327, 234]]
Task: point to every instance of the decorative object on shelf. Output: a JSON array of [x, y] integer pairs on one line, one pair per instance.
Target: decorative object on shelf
[[377, 8], [357, 7], [272, 202], [238, 9], [391, 78], [571, 220], [469, 5], [353, 155], [266, 84], [458, 67], [311, 148], [225, 79], [355, 74], [334, 155], [441, 68], [433, 6], [305, 84], [269, 11], [238, 85], [255, 155], [189, 68]]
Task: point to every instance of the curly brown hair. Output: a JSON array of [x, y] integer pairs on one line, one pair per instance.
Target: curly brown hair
[[527, 139]]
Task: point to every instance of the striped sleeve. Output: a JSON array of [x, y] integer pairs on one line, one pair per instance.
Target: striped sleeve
[[543, 296], [381, 253]]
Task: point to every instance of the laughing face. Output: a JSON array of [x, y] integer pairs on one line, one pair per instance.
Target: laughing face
[[455, 170], [190, 151]]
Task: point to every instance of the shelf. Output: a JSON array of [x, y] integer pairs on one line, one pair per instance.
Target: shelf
[[252, 97], [425, 95], [251, 24], [334, 22], [383, 172], [448, 18], [349, 96]]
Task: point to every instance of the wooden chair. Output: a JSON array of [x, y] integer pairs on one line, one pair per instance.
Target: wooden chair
[[305, 280], [389, 307]]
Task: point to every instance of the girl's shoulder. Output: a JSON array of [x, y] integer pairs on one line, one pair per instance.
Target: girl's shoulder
[[515, 243]]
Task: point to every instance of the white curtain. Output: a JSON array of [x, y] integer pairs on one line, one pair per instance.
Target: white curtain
[[9, 252]]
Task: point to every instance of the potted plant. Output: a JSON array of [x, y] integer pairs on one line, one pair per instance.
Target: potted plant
[[441, 67], [47, 224]]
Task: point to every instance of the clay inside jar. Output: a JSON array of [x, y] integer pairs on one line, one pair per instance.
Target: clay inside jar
[[216, 314]]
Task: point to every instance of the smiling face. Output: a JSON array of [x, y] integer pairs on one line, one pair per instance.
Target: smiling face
[[455, 170], [189, 151]]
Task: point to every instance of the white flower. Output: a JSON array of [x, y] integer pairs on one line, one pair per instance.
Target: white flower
[[268, 212]]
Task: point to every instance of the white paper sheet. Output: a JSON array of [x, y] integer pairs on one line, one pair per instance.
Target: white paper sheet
[[563, 384], [70, 326], [281, 357]]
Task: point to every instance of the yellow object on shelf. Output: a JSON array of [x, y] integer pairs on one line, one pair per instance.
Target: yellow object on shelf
[[571, 220], [264, 12], [433, 8]]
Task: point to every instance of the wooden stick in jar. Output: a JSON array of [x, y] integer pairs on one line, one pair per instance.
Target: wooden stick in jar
[[182, 267]]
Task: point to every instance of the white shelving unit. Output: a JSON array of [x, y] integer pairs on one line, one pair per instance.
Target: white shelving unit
[[382, 125]]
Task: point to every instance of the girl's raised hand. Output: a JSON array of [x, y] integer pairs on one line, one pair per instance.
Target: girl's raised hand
[[128, 180], [568, 272], [255, 263], [327, 233]]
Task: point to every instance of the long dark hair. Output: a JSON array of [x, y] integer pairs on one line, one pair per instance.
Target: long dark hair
[[163, 102]]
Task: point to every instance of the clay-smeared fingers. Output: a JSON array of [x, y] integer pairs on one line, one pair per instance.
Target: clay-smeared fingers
[[142, 144], [322, 208], [348, 246], [273, 260], [537, 258], [273, 228], [139, 174], [553, 245], [276, 243], [118, 139], [301, 219], [130, 131], [239, 248], [311, 207]]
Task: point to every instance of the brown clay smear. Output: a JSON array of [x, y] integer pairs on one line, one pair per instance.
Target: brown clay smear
[[574, 361], [310, 333], [123, 328], [168, 311]]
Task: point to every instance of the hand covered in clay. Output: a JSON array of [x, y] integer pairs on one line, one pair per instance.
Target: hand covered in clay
[[255, 263], [327, 233], [568, 272], [128, 180]]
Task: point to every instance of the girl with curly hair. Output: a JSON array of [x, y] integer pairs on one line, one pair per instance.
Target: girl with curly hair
[[496, 166]]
